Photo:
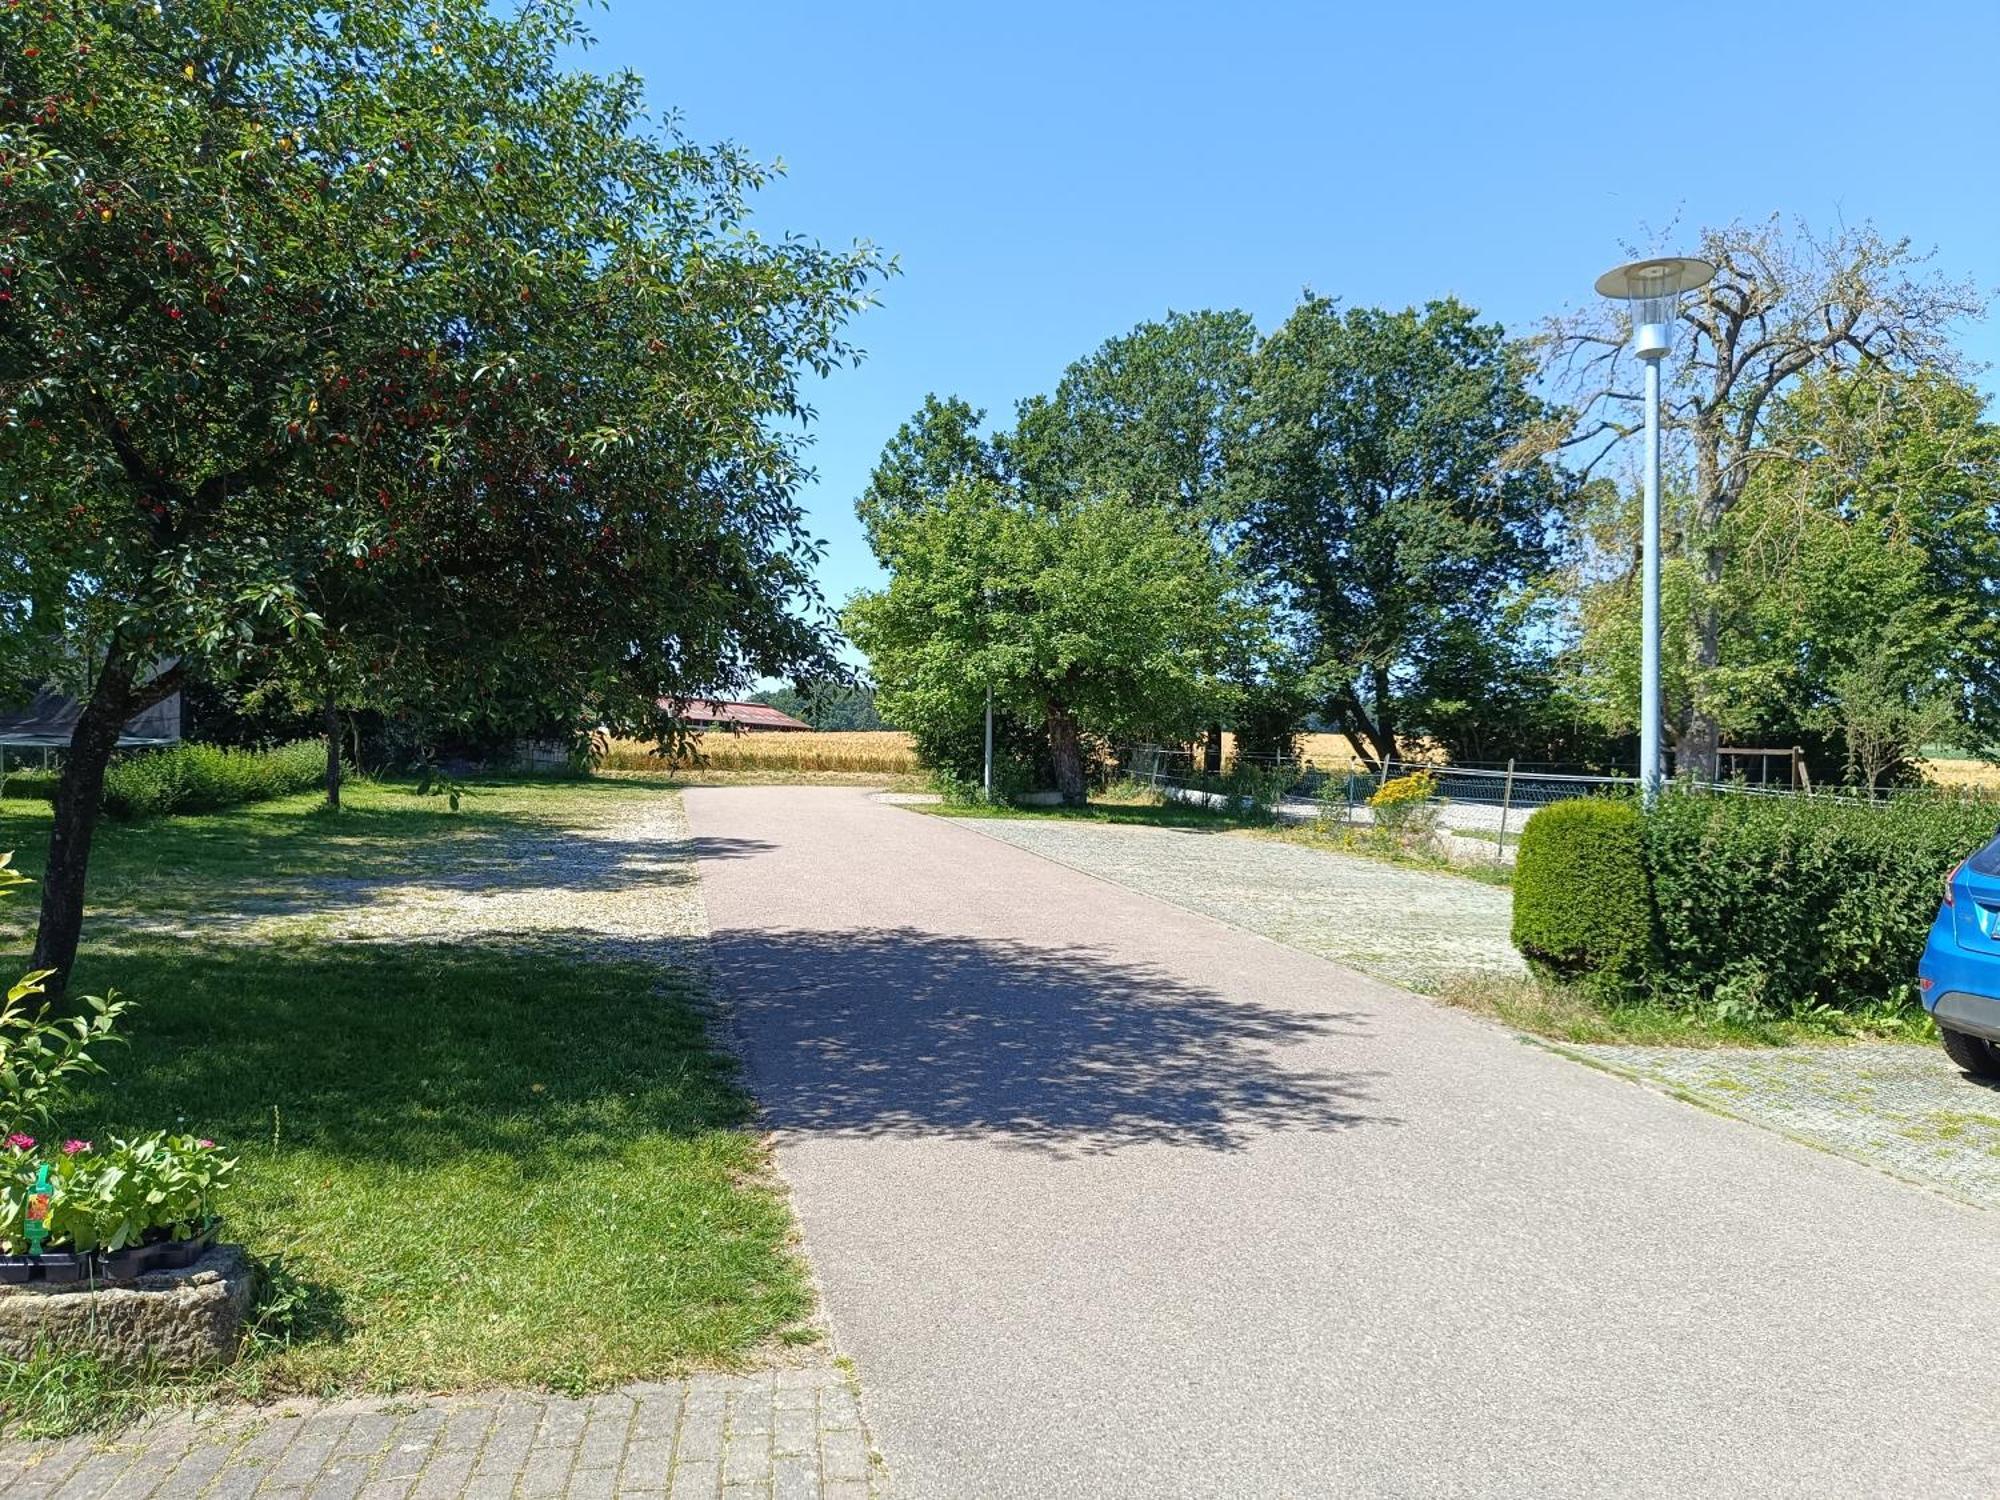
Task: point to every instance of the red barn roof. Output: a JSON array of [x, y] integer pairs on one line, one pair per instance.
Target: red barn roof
[[713, 714]]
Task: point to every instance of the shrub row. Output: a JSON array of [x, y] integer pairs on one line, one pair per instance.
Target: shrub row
[[1756, 905], [197, 778], [32, 784]]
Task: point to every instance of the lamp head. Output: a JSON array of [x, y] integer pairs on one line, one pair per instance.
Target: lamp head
[[1654, 287]]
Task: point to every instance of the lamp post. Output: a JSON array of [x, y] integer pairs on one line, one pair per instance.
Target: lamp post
[[986, 600], [1654, 287]]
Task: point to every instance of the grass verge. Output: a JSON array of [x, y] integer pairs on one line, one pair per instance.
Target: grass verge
[[1570, 1013], [887, 781], [497, 1161], [1146, 810], [1369, 842], [1150, 814]]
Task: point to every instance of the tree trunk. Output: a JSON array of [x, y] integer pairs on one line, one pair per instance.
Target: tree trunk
[[1211, 751], [1383, 730], [1346, 703], [1698, 748], [1066, 753], [330, 718], [79, 794]]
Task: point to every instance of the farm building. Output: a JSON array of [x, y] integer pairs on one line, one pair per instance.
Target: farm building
[[708, 714]]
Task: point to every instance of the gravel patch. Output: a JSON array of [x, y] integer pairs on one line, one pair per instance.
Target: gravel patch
[[611, 877], [1904, 1109], [1412, 927], [620, 879]]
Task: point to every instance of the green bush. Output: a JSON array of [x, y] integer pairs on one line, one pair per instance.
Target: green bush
[[1780, 905], [151, 1187], [31, 784], [125, 1192], [1581, 905], [198, 778]]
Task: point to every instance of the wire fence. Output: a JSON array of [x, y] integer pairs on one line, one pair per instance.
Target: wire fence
[[1477, 811]]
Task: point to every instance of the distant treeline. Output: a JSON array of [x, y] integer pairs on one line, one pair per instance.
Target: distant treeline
[[829, 708]]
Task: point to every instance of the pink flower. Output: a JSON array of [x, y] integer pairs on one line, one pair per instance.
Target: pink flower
[[74, 1148], [206, 1144], [21, 1142]]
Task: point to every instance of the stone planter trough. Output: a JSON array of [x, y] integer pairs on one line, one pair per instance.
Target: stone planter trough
[[166, 1318]]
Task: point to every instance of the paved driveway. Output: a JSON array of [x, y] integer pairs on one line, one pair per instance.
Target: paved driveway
[[1111, 1199]]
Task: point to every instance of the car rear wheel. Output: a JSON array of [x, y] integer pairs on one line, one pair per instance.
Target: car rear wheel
[[1974, 1054]]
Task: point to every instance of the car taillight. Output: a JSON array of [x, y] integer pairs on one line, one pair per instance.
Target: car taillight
[[1948, 879]]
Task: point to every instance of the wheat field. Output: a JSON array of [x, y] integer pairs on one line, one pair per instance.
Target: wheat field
[[1977, 774], [1323, 750], [884, 751]]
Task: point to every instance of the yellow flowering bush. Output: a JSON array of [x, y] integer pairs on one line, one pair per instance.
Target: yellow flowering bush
[[1401, 800]]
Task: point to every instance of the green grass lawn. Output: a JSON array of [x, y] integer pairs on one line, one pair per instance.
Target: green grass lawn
[[475, 1163]]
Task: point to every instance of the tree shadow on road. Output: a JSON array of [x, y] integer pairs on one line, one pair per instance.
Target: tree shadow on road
[[1060, 1049]]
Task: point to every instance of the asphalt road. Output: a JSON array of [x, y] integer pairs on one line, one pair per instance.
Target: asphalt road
[[1109, 1199]]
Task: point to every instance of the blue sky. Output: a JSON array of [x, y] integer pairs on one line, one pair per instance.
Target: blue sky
[[1049, 175]]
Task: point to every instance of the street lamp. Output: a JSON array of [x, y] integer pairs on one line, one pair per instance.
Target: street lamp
[[1654, 288], [986, 599]]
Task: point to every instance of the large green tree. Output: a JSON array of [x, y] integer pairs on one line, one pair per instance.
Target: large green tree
[[940, 447], [1099, 619], [380, 284], [1860, 597], [1787, 302], [1397, 499], [1151, 414]]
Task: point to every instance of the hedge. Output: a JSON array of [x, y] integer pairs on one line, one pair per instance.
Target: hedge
[[1761, 905], [1581, 904], [31, 784], [198, 778], [1782, 904]]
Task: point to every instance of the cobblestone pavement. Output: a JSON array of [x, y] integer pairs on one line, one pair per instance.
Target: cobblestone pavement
[[1412, 927], [1904, 1109], [793, 1434]]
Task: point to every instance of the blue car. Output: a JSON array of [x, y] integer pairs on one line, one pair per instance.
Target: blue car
[[1959, 974]]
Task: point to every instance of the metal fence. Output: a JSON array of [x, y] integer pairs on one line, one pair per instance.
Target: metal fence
[[1474, 804], [1478, 811]]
